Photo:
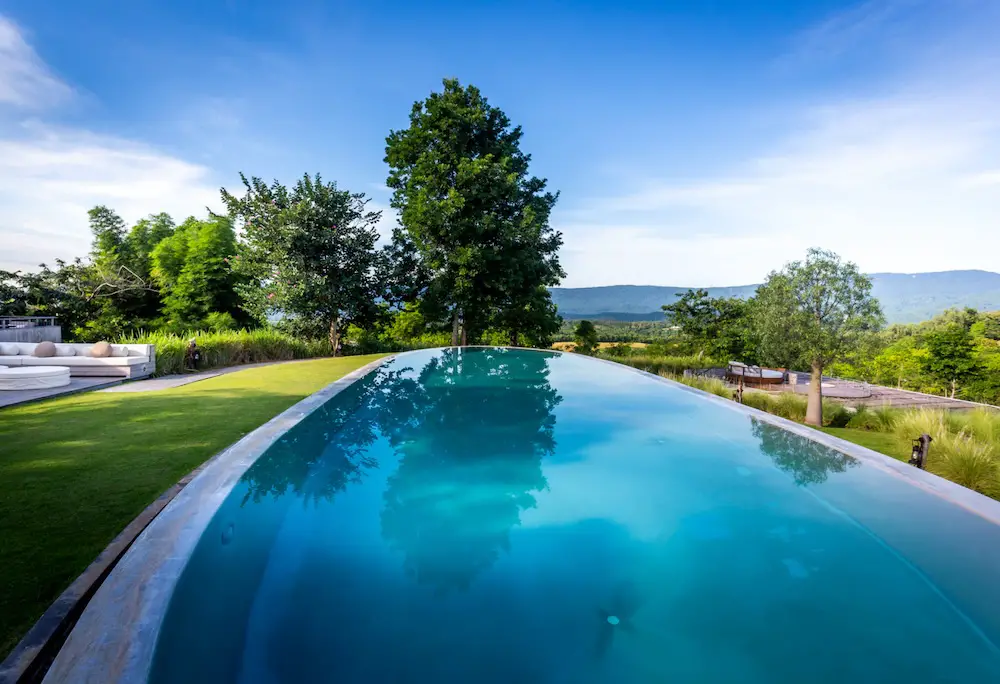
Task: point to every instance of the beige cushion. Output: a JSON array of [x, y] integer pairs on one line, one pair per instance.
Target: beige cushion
[[44, 350], [65, 350], [101, 350], [119, 351], [8, 350]]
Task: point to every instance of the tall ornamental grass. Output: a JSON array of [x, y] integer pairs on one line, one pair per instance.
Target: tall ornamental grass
[[659, 365], [967, 461], [228, 348], [710, 385]]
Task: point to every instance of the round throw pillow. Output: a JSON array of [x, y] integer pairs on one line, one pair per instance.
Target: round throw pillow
[[101, 350], [44, 350]]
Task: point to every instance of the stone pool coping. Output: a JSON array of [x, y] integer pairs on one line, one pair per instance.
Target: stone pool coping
[[114, 638]]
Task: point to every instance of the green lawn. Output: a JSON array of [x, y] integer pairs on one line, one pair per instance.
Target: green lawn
[[75, 471], [882, 442]]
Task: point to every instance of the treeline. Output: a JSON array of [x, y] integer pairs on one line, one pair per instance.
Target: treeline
[[470, 261], [956, 354]]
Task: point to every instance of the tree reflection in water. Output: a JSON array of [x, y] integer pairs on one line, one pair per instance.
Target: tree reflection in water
[[470, 431], [471, 464], [808, 462], [328, 450]]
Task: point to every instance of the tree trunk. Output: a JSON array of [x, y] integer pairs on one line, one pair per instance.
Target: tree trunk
[[335, 336], [454, 327], [814, 407], [954, 386], [513, 338], [465, 334]]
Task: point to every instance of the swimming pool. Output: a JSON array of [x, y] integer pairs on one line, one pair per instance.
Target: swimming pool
[[493, 515]]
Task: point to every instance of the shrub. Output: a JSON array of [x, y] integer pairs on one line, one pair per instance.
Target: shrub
[[672, 365], [710, 385], [220, 321], [789, 405], [966, 461], [937, 423], [835, 414], [758, 400], [873, 420], [231, 348], [983, 424], [619, 350]]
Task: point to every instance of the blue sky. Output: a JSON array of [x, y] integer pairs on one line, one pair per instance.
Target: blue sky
[[694, 143]]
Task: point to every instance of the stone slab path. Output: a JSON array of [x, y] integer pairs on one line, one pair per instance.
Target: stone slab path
[[179, 380]]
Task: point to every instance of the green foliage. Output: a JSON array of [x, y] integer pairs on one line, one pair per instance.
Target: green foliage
[[308, 253], [619, 350], [951, 356], [477, 221], [815, 311], [220, 321], [615, 331], [880, 419], [721, 326], [965, 460], [659, 364], [710, 385], [585, 338], [191, 266], [229, 348]]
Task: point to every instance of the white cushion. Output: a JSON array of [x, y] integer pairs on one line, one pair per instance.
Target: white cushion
[[33, 378], [65, 350], [86, 361], [118, 350], [11, 360], [9, 350]]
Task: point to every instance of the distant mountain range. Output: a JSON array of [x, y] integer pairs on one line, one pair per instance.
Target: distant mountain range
[[905, 298]]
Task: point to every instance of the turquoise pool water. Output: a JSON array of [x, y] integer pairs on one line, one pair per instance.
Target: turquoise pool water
[[518, 516]]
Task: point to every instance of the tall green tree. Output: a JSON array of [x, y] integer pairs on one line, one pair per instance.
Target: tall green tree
[[117, 277], [309, 253], [585, 338], [475, 216], [191, 266], [813, 312], [951, 356]]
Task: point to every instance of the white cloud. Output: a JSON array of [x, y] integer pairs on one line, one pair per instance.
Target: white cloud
[[51, 176], [902, 180], [25, 81]]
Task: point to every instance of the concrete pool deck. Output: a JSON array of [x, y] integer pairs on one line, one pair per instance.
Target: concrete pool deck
[[115, 637]]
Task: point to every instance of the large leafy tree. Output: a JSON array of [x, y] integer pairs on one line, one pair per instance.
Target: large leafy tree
[[191, 266], [951, 356], [814, 312], [308, 253], [478, 221]]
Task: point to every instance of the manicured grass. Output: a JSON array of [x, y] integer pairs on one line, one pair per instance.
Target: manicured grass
[[882, 442], [75, 471]]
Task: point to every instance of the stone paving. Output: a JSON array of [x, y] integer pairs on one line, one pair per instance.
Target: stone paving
[[76, 384]]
